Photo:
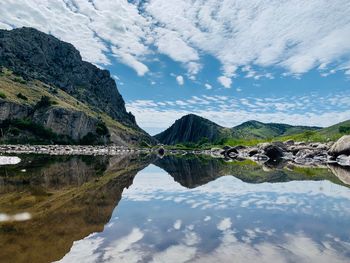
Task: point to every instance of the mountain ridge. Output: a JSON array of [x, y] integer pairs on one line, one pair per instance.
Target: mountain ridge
[[248, 130]]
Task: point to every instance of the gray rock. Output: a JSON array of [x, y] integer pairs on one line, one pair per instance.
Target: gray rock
[[343, 160], [343, 173], [10, 110], [253, 151], [342, 146], [274, 152], [260, 157], [289, 142], [231, 153]]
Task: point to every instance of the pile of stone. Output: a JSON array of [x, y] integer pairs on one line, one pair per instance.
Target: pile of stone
[[311, 154]]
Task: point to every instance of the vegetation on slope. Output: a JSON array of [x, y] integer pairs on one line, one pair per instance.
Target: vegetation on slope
[[38, 95]]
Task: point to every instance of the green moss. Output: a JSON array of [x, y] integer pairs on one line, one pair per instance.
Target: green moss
[[2, 95]]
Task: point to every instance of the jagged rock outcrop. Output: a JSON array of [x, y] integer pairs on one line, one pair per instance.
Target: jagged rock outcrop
[[36, 55], [75, 124], [10, 110]]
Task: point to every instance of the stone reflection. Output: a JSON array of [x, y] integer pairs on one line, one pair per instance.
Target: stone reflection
[[67, 197], [342, 172]]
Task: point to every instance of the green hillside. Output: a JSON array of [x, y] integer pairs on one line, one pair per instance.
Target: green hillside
[[257, 130], [331, 133]]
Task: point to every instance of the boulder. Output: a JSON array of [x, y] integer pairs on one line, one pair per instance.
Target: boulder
[[240, 147], [307, 153], [342, 146], [260, 157], [253, 151], [273, 151], [231, 153], [341, 172], [289, 142], [343, 160]]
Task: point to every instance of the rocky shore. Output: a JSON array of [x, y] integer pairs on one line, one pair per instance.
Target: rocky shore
[[69, 149], [302, 153]]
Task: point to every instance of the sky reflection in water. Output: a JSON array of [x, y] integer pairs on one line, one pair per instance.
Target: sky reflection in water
[[226, 220]]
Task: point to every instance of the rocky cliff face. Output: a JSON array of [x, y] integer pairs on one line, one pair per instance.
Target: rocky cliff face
[[75, 124], [10, 110], [35, 65]]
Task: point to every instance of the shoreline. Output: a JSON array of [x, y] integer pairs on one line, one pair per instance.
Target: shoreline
[[301, 153]]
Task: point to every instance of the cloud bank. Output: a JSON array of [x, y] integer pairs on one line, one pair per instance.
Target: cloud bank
[[295, 36]]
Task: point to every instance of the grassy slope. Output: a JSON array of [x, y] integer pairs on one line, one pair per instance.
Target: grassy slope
[[258, 130], [11, 85], [326, 134]]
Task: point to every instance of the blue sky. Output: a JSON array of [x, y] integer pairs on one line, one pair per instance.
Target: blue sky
[[229, 61]]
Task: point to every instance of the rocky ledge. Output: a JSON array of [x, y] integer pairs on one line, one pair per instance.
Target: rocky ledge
[[302, 153]]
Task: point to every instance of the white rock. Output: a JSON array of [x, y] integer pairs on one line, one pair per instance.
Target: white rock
[[6, 160], [343, 160]]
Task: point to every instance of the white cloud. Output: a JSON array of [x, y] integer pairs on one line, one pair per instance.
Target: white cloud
[[177, 224], [225, 81], [120, 249], [170, 43], [180, 80], [208, 86], [207, 218], [230, 111], [92, 27], [295, 35], [175, 254], [225, 224]]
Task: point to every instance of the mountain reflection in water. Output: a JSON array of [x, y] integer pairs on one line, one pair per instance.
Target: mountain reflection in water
[[177, 210]]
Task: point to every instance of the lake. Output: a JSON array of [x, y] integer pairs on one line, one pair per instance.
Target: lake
[[142, 208]]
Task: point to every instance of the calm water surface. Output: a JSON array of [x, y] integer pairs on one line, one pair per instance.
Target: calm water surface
[[189, 209]]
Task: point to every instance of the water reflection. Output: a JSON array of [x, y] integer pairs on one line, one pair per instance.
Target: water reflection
[[68, 198], [195, 170], [189, 209]]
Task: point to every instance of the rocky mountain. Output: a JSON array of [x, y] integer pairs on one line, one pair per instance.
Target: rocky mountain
[[81, 99], [191, 129], [194, 129]]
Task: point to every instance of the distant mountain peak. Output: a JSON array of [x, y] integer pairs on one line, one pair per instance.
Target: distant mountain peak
[[192, 128], [189, 128]]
